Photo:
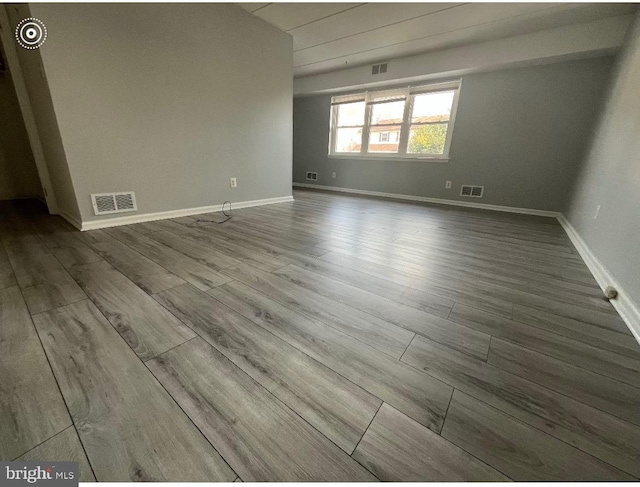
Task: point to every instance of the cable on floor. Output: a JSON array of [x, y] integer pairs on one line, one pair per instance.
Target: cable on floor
[[226, 213]]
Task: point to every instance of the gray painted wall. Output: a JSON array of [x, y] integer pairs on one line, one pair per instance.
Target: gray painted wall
[[170, 101], [610, 177], [18, 173], [520, 133]]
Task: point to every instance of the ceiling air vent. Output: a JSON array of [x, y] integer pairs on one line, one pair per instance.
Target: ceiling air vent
[[312, 176], [379, 68], [472, 191], [106, 203]]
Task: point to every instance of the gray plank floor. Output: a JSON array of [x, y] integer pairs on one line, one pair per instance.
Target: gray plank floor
[[334, 338]]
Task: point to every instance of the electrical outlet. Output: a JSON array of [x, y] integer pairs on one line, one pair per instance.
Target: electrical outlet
[[333, 175], [233, 183], [597, 212], [447, 185]]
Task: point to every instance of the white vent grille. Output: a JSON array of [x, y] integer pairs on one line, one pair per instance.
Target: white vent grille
[[472, 191], [379, 68], [312, 176], [106, 203]]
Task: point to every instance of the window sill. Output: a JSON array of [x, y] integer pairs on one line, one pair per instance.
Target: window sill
[[391, 157]]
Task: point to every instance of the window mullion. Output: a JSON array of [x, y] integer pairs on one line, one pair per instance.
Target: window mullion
[[452, 119], [334, 129], [406, 125], [364, 147]]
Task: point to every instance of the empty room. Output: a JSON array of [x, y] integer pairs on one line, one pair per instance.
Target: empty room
[[319, 242]]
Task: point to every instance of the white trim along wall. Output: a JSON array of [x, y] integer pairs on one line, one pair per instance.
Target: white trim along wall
[[164, 215], [425, 199], [626, 308]]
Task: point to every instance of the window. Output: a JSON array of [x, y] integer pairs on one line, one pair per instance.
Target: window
[[414, 122], [348, 125]]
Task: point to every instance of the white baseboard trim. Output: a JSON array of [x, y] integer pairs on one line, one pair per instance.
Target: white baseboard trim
[[71, 219], [626, 308], [163, 215], [424, 199]]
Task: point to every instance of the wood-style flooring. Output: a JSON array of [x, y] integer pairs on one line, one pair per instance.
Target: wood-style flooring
[[334, 338]]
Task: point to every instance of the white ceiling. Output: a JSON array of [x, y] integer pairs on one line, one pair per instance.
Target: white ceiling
[[333, 36]]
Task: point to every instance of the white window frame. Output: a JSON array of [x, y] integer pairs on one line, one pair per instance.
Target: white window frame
[[411, 93]]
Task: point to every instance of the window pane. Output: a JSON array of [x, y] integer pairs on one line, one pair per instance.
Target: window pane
[[427, 139], [384, 139], [432, 107], [348, 140], [350, 114], [387, 113]]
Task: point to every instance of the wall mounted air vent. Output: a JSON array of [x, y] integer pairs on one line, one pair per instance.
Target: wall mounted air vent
[[107, 203], [379, 68], [312, 176], [472, 191]]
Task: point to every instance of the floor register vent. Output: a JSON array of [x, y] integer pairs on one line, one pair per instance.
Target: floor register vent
[[107, 203], [472, 191]]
